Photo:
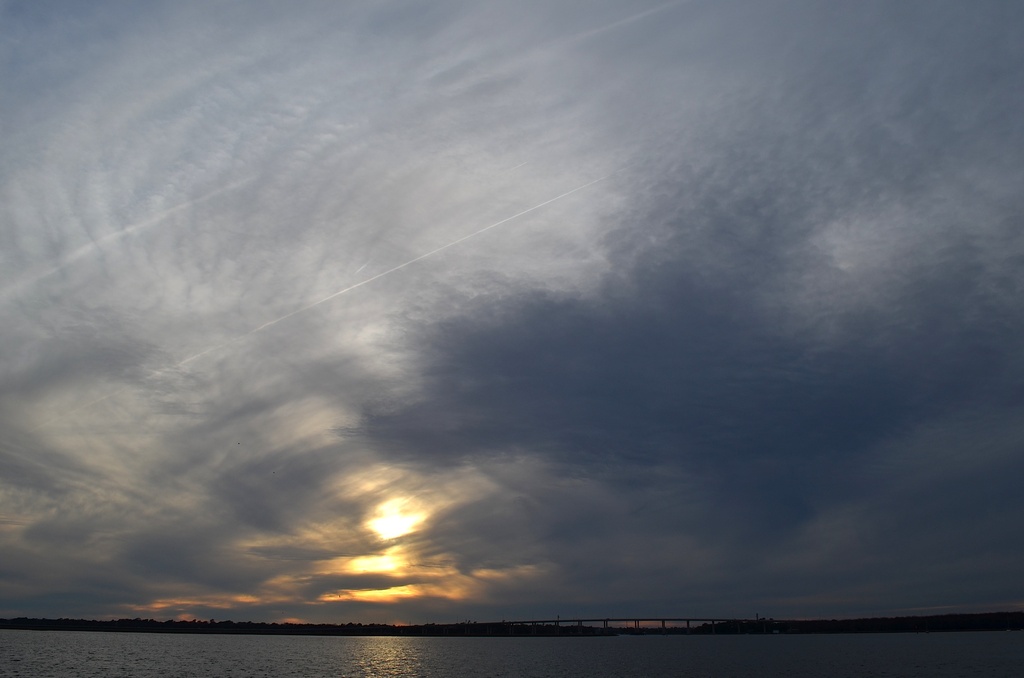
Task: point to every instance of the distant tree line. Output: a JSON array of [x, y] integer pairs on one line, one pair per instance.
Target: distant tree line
[[989, 621], [196, 626]]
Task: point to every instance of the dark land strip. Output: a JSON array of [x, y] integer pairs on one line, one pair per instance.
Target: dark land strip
[[989, 621]]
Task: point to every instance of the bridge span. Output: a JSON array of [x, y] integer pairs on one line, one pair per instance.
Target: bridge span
[[605, 626]]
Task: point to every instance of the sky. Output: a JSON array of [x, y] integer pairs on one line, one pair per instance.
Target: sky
[[420, 311]]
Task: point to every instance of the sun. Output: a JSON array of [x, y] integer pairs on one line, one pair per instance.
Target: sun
[[393, 519]]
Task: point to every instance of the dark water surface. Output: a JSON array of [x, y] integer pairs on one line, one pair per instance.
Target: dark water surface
[[39, 654]]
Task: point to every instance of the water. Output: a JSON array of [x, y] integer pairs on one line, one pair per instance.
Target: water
[[40, 654]]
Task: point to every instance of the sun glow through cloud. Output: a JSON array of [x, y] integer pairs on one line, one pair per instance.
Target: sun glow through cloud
[[395, 518]]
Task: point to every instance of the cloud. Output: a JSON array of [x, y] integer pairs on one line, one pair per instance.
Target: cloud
[[271, 275]]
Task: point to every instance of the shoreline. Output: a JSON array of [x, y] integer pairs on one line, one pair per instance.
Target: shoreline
[[987, 621]]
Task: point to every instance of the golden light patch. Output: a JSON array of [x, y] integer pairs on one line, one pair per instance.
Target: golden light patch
[[388, 504], [393, 560], [364, 564], [225, 602], [519, 572], [389, 595], [396, 518], [451, 587]]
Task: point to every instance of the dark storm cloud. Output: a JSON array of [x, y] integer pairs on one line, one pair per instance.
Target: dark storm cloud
[[702, 354]]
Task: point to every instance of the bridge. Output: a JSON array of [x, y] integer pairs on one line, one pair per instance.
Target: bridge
[[607, 626]]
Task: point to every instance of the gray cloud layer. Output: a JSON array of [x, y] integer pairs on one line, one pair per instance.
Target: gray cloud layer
[[769, 361]]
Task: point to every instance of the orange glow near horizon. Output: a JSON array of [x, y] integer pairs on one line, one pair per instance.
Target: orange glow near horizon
[[408, 581], [220, 602], [388, 595], [372, 549]]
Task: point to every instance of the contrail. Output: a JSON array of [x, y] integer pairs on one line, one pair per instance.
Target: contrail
[[394, 269], [369, 280], [586, 35], [628, 20], [95, 245], [85, 250]]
